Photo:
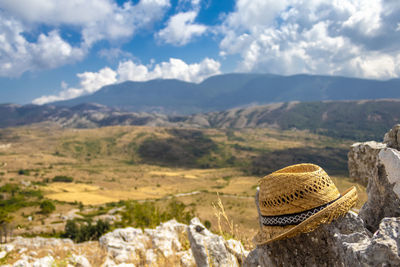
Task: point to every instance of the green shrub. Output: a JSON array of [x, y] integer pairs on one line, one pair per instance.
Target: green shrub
[[184, 148], [23, 172], [15, 197], [149, 215], [47, 207], [10, 188], [63, 178], [207, 224], [334, 160], [5, 217], [85, 231]]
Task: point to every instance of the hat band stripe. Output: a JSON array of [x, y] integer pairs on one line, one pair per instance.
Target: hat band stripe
[[292, 219]]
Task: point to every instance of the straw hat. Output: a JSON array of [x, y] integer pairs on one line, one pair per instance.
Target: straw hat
[[297, 199]]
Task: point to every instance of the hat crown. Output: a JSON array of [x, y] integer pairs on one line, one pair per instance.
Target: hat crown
[[295, 189]]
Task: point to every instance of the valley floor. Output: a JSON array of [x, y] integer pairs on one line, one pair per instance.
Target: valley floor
[[83, 171]]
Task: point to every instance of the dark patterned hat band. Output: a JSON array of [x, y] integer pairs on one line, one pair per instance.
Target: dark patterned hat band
[[291, 219]]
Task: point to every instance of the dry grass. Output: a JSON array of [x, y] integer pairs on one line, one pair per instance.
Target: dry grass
[[344, 183], [227, 228], [113, 173]]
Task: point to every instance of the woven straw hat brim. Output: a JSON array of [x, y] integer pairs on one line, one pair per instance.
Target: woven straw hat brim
[[336, 209]]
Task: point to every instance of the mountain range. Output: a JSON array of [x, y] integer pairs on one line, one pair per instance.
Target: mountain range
[[229, 91], [356, 120]]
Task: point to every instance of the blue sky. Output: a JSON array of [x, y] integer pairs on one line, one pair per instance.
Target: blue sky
[[53, 50]]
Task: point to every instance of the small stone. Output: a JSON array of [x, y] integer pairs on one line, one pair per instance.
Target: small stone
[[22, 250], [44, 262], [3, 254], [8, 247], [21, 263], [79, 261], [199, 228]]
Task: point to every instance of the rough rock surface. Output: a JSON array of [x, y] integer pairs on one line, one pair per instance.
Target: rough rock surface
[[383, 190], [344, 242], [169, 244], [208, 249], [123, 244], [362, 160], [392, 138], [382, 249], [38, 242], [79, 260], [156, 246]]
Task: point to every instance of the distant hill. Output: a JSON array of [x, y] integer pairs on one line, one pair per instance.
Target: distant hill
[[357, 120], [89, 115], [228, 91]]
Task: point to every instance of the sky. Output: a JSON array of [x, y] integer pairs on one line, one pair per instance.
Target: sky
[[54, 50]]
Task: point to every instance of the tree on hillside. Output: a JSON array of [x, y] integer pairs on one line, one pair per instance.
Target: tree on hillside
[[5, 226], [47, 207]]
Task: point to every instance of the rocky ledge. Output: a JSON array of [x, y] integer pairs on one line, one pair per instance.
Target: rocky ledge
[[370, 238], [170, 244]]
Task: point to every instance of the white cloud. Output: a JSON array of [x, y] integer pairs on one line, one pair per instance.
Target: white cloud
[[90, 82], [95, 20], [17, 55], [183, 5], [55, 12], [342, 37], [123, 21], [98, 19], [173, 69], [113, 54], [180, 29]]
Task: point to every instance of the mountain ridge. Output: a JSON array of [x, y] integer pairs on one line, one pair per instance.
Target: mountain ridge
[[227, 91], [358, 120]]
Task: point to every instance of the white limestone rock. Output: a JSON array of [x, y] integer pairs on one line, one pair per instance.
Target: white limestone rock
[[108, 263], [22, 263], [165, 238], [8, 247], [383, 190], [151, 257], [362, 160], [3, 254], [236, 248], [392, 138], [382, 249], [79, 261], [186, 258], [123, 244], [37, 242], [390, 158], [44, 262], [207, 248]]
